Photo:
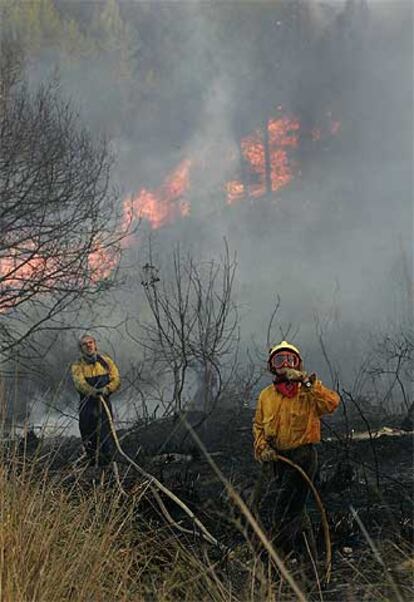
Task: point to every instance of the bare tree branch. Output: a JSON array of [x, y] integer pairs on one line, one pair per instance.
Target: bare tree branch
[[59, 232]]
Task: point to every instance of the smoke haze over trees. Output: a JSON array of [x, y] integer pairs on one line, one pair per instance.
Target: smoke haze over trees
[[56, 209], [171, 83]]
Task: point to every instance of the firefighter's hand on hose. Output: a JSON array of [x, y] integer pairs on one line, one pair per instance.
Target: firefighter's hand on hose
[[268, 455], [295, 376], [308, 381], [101, 391], [298, 376]]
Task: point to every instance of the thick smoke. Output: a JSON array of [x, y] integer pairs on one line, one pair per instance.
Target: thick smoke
[[336, 244]]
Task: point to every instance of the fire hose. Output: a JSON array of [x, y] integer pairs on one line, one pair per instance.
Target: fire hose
[[157, 485], [321, 507]]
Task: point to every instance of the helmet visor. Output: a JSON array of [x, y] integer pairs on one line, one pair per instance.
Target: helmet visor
[[284, 359]]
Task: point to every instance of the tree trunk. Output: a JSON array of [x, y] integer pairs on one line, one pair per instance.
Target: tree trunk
[[268, 166], [408, 422]]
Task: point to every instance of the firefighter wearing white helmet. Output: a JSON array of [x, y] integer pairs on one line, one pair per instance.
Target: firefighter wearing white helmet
[[287, 421]]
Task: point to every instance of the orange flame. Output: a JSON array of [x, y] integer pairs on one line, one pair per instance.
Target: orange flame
[[25, 267], [16, 270], [283, 133], [159, 208], [102, 262], [166, 203]]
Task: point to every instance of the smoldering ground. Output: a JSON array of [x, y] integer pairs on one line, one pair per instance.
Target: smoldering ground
[[335, 243]]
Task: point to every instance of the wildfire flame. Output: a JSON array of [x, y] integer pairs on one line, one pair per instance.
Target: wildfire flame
[[282, 135], [24, 270], [169, 201], [166, 203], [16, 271], [102, 262]]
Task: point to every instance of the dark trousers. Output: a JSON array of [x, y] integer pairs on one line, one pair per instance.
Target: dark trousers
[[282, 490], [96, 431]]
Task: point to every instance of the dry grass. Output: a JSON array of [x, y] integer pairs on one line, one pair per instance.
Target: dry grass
[[54, 547], [70, 544], [63, 545]]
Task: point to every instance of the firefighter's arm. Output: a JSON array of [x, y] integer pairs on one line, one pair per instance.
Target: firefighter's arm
[[262, 450], [79, 381], [114, 379], [325, 400]]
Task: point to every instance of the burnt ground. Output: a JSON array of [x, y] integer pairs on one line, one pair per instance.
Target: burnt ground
[[373, 475]]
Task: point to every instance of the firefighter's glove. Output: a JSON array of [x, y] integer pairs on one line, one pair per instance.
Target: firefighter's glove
[[101, 391], [269, 455], [309, 381], [295, 376]]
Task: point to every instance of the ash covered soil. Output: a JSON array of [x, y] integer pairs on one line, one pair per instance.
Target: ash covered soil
[[367, 471], [370, 469]]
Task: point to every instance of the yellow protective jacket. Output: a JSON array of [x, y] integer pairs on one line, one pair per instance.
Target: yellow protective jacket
[[85, 374], [285, 423]]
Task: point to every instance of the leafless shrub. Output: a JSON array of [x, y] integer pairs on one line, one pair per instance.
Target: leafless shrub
[[285, 330], [193, 328], [392, 366]]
